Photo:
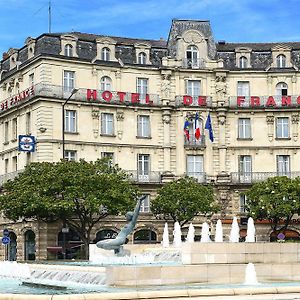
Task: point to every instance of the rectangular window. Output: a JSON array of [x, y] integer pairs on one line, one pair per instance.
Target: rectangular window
[[6, 166], [145, 205], [70, 155], [28, 123], [6, 132], [245, 168], [142, 88], [69, 80], [193, 88], [108, 155], [70, 121], [107, 124], [243, 202], [244, 127], [283, 165], [31, 79], [282, 128], [195, 166], [143, 167], [143, 126], [14, 163], [14, 128], [243, 88]]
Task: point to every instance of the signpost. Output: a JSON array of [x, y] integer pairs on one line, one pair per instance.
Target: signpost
[[5, 241]]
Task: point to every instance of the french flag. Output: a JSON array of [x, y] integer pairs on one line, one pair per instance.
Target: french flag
[[197, 127]]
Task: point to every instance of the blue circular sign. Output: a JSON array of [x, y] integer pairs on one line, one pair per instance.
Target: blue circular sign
[[5, 240], [5, 232]]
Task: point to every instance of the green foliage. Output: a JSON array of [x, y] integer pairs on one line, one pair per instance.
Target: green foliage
[[277, 199], [184, 199], [78, 193]]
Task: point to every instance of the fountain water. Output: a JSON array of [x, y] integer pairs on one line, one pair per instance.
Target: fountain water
[[219, 232], [177, 235], [205, 236], [165, 241], [234, 232], [250, 238], [250, 275], [191, 234]]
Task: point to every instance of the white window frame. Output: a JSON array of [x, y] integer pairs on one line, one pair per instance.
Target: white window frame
[[281, 61], [195, 165], [282, 127], [193, 88], [105, 54], [145, 205], [283, 165], [243, 203], [142, 58], [15, 163], [142, 88], [243, 62], [244, 128], [105, 83], [14, 128], [69, 81], [245, 168], [68, 51], [109, 155], [6, 131], [192, 56], [107, 124], [70, 121], [143, 167], [281, 89], [70, 155], [243, 88], [143, 126]]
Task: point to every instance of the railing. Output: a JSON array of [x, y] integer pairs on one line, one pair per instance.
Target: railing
[[151, 177], [200, 176], [253, 177], [8, 176], [194, 143], [190, 63]]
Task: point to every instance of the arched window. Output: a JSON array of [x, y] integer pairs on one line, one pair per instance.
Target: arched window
[[29, 240], [68, 50], [281, 61], [142, 58], [144, 236], [243, 63], [105, 83], [281, 89], [192, 56], [105, 54], [105, 234]]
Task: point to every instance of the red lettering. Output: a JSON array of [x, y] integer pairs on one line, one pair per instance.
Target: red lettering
[[31, 90], [240, 100], [202, 100], [121, 96], [148, 101], [298, 100], [107, 96], [255, 101], [91, 94], [271, 101], [187, 100], [135, 97], [26, 93], [286, 101]]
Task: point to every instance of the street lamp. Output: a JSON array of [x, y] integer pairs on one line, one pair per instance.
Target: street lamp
[[74, 91]]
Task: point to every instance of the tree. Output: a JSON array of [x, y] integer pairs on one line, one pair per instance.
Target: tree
[[77, 193], [277, 199], [183, 199]]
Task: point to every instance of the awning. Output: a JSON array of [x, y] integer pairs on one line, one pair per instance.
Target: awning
[[55, 249]]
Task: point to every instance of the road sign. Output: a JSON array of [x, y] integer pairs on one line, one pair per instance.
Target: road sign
[[5, 240], [5, 232], [26, 143]]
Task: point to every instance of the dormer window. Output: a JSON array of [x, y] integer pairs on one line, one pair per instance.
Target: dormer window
[[243, 62], [105, 83], [142, 57], [281, 89], [68, 50], [105, 54], [281, 61], [192, 56]]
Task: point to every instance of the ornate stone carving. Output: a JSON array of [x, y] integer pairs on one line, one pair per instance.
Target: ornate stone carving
[[95, 114], [120, 115], [165, 85], [221, 87], [295, 118], [166, 117], [193, 38], [270, 120]]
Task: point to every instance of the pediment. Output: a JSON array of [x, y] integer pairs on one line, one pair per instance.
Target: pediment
[[69, 37], [281, 48], [142, 45], [193, 37], [243, 49], [105, 40]]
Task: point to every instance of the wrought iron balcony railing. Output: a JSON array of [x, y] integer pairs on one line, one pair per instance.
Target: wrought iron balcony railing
[[190, 63], [194, 143], [253, 177], [200, 176], [150, 177]]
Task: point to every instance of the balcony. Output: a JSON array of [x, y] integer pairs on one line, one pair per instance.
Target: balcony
[[190, 63], [151, 177], [8, 176], [193, 143], [253, 177], [200, 176]]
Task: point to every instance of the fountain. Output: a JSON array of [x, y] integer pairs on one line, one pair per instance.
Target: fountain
[[177, 235], [165, 241], [250, 275], [205, 236], [250, 238], [191, 234], [234, 232], [219, 232]]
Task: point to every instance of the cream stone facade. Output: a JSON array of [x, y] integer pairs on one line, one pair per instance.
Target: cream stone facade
[[131, 101]]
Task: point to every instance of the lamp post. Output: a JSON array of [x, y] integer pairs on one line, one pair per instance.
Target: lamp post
[[74, 91]]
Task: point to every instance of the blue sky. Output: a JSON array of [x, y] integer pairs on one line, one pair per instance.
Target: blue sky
[[231, 20]]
